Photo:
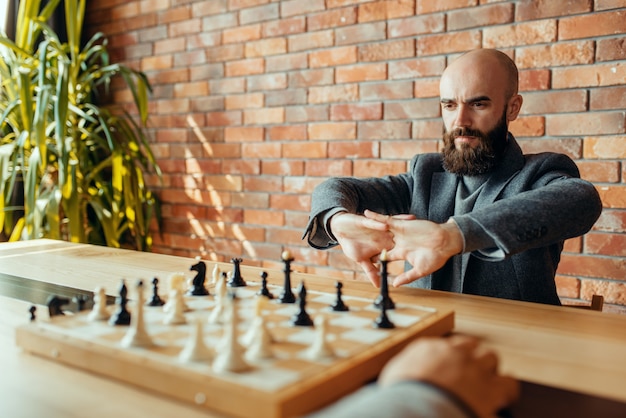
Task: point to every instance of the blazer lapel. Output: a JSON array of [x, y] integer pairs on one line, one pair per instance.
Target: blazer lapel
[[442, 193]]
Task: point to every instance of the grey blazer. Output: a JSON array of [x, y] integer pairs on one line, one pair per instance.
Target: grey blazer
[[514, 235]]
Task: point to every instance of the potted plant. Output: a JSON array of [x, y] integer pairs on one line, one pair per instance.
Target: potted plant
[[82, 164]]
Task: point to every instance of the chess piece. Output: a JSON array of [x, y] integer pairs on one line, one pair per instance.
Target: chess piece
[[302, 318], [383, 320], [219, 313], [339, 305], [80, 301], [235, 279], [55, 304], [198, 288], [216, 273], [156, 299], [137, 336], [195, 349], [177, 283], [287, 296], [122, 315], [176, 311], [230, 358], [320, 349], [264, 290], [383, 298], [258, 323], [99, 312], [32, 310]]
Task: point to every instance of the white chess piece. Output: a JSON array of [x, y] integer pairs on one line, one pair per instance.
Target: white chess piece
[[258, 323], [137, 336], [320, 349], [99, 311], [195, 349], [230, 358], [219, 314], [176, 312], [216, 273], [177, 282], [260, 347]]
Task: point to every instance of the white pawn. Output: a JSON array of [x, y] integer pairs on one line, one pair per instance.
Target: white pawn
[[176, 313], [137, 335], [258, 323], [230, 358], [195, 349], [260, 347], [320, 349], [219, 314], [216, 273], [176, 283], [99, 311]]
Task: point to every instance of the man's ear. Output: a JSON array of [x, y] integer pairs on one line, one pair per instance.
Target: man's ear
[[514, 107]]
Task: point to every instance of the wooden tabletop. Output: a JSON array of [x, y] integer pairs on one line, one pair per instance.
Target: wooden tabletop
[[578, 351]]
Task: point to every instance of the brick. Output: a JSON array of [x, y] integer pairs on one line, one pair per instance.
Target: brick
[[448, 43], [331, 19], [339, 93], [362, 33], [264, 116], [259, 14], [605, 244], [384, 130], [308, 150], [287, 133], [220, 21], [266, 82], [427, 129], [332, 131], [386, 10], [590, 25], [203, 40], [608, 98], [353, 149], [573, 245], [536, 32], [284, 27], [569, 147], [301, 184], [206, 72], [282, 167], [265, 47], [416, 68], [173, 14], [310, 41], [227, 86], [185, 27], [298, 7], [173, 106], [357, 111], [613, 292], [270, 184], [263, 217], [541, 9], [604, 147], [241, 134], [599, 172], [593, 123], [241, 34], [589, 76], [481, 16], [284, 236], [415, 25], [290, 202], [568, 53], [567, 287], [245, 67], [324, 168], [378, 168], [306, 78], [197, 88], [424, 7], [244, 4], [611, 49], [587, 266], [534, 80], [528, 126], [248, 166], [148, 34], [361, 72], [224, 183], [183, 59], [208, 7], [388, 90], [296, 114], [425, 88], [384, 51], [554, 101], [161, 62], [225, 53], [414, 109], [611, 221], [207, 104], [232, 117], [608, 4], [404, 150], [286, 97], [613, 196], [288, 62], [332, 57]]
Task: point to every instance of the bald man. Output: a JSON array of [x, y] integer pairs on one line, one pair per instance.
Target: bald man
[[480, 217]]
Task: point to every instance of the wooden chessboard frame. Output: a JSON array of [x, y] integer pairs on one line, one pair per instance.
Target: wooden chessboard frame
[[222, 396]]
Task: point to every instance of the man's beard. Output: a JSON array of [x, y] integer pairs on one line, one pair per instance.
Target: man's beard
[[469, 161]]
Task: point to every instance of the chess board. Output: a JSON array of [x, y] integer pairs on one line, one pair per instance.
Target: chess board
[[288, 384]]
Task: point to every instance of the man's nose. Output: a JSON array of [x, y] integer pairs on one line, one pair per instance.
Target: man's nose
[[463, 119]]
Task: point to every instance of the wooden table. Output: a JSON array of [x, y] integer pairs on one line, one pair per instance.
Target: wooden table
[[572, 360]]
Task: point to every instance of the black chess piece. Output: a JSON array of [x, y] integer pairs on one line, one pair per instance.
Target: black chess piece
[[156, 299], [198, 288], [302, 318], [235, 279], [339, 305], [32, 310], [81, 302], [55, 304], [383, 298], [122, 315], [383, 320], [264, 290], [287, 296]]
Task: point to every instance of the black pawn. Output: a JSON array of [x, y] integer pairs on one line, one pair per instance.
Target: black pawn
[[287, 296], [236, 280], [383, 320], [32, 310], [55, 304], [264, 290], [339, 305], [198, 288], [156, 299], [302, 318], [122, 315], [383, 298]]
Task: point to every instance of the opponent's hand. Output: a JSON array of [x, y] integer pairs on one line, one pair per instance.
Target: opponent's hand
[[459, 365], [361, 240], [424, 244]]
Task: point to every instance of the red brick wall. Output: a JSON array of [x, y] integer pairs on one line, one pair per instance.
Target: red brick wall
[[257, 101]]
